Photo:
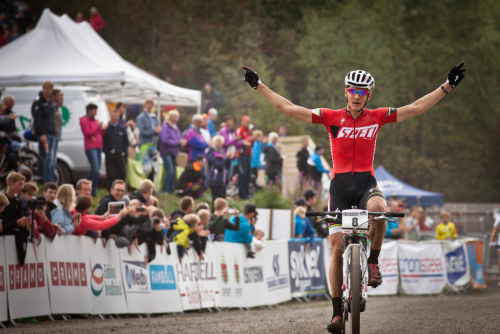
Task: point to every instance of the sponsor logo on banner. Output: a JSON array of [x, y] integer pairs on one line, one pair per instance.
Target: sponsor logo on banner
[[412, 268], [253, 274], [304, 265], [196, 271], [236, 270], [136, 276], [105, 279], [223, 267], [29, 276], [162, 277], [365, 132], [68, 273], [455, 265], [277, 282], [307, 271]]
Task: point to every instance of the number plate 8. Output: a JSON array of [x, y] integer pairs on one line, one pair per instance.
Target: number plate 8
[[354, 218]]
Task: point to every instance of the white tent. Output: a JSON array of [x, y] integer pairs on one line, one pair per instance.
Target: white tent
[[70, 53]]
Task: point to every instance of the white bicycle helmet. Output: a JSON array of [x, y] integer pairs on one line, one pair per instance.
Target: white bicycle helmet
[[360, 79]]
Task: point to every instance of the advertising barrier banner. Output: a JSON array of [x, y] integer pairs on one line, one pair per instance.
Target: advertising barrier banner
[[4, 310], [28, 292], [135, 278], [457, 267], [422, 268], [388, 263], [476, 267], [105, 279], [230, 260], [307, 269], [206, 277], [253, 279], [67, 262], [187, 280], [276, 271], [163, 281]]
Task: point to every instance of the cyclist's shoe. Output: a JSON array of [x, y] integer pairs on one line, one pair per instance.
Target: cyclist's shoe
[[336, 325], [374, 275]]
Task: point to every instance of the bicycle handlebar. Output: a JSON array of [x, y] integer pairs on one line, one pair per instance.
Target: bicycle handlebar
[[324, 213]]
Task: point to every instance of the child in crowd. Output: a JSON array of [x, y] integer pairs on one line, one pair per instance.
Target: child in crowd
[[202, 206], [300, 213], [258, 241], [28, 192], [185, 227], [218, 223], [186, 206], [303, 227], [93, 222]]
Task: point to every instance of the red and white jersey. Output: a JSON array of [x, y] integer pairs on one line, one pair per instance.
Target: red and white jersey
[[353, 141]]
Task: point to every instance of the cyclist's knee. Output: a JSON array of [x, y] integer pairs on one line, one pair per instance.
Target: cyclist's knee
[[337, 243], [337, 252], [377, 204]]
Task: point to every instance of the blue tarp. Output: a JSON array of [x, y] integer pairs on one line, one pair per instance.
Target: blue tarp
[[391, 186]]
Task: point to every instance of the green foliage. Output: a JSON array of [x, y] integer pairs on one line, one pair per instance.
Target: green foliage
[[270, 199]]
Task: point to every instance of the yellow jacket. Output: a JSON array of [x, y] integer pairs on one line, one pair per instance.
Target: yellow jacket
[[446, 231], [182, 238]]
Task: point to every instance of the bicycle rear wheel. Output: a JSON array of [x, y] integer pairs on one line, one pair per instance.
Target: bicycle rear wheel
[[355, 288]]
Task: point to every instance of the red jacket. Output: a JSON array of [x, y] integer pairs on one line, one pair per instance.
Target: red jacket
[[93, 223], [97, 22], [47, 229], [245, 134], [92, 134]]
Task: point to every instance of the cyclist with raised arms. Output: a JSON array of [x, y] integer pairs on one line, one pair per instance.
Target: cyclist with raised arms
[[353, 131]]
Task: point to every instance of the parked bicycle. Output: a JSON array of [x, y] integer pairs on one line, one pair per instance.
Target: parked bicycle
[[14, 157], [355, 273]]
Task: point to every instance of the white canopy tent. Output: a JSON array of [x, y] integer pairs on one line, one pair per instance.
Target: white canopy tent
[[70, 53]]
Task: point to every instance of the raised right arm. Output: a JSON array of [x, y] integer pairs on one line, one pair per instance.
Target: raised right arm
[[279, 102]]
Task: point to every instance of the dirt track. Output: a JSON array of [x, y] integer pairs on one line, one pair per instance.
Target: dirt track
[[473, 313]]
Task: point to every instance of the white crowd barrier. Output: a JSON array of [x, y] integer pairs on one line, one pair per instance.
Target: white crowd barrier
[[105, 279], [77, 275], [67, 261], [4, 310], [27, 293]]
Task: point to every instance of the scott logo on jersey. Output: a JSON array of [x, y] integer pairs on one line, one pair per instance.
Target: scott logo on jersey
[[366, 132]]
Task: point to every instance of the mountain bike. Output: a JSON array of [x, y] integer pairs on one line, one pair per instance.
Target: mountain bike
[[354, 271]]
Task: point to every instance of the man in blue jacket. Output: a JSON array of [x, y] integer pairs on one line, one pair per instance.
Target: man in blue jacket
[[147, 123], [315, 167], [245, 234]]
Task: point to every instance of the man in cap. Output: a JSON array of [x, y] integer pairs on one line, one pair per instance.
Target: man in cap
[[244, 235]]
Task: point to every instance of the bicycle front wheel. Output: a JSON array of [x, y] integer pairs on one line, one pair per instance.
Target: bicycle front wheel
[[355, 288]]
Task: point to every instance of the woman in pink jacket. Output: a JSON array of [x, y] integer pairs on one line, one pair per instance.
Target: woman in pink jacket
[[93, 130], [93, 222]]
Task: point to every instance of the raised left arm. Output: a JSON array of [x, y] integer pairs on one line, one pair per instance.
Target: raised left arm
[[423, 104]]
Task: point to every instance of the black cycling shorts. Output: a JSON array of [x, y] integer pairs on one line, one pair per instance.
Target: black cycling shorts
[[348, 190]]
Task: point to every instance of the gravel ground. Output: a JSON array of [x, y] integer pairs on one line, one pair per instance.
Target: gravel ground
[[472, 313]]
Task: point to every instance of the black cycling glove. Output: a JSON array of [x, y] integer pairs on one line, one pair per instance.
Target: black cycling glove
[[455, 76], [252, 77]]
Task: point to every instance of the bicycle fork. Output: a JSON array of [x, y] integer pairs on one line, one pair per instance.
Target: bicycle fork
[[346, 270]]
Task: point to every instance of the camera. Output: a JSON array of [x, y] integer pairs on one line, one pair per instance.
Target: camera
[[140, 208], [156, 220], [32, 204]]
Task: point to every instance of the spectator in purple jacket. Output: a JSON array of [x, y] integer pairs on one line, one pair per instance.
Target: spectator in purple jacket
[[231, 142], [122, 110], [195, 141], [170, 140]]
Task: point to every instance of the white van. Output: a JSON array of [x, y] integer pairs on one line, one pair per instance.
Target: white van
[[72, 163]]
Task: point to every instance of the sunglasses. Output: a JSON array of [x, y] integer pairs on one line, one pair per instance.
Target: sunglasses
[[353, 91]]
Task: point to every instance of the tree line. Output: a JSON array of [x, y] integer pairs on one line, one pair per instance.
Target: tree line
[[303, 51]]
